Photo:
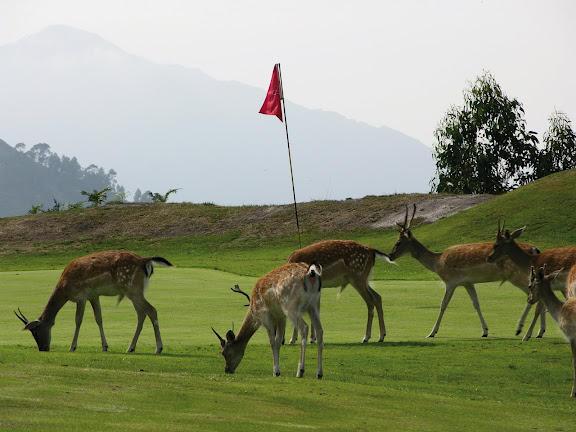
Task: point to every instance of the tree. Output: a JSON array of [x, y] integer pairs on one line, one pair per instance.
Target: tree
[[162, 198], [97, 197], [559, 152], [137, 195], [483, 146]]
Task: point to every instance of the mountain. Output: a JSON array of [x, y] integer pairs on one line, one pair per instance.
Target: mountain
[[164, 126], [40, 177]]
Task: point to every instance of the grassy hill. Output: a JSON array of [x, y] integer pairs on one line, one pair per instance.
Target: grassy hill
[[250, 240]]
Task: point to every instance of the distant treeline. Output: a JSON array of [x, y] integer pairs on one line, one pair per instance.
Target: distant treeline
[[37, 176]]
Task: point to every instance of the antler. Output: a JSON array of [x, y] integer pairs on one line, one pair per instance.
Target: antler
[[21, 317], [237, 289], [220, 338], [413, 214]]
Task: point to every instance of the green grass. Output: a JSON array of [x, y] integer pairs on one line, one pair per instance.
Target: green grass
[[456, 381]]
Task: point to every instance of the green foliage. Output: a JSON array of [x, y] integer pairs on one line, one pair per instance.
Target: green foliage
[[483, 146], [161, 198], [75, 206], [56, 207], [408, 383], [559, 153], [36, 208], [97, 197]]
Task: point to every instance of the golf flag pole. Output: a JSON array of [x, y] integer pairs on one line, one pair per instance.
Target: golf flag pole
[[274, 104]]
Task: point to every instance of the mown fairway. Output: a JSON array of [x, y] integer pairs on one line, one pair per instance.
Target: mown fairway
[[456, 381]]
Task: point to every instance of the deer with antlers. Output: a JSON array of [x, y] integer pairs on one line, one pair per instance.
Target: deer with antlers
[[555, 259], [346, 262], [461, 265], [564, 313], [286, 292], [109, 273]]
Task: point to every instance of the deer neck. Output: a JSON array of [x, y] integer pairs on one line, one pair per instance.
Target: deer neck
[[55, 303], [424, 255], [553, 304], [520, 257], [249, 327]]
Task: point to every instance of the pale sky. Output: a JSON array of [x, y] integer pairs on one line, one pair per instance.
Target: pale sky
[[394, 63]]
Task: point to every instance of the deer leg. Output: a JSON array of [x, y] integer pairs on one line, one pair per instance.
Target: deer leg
[[445, 302], [537, 313], [153, 315], [141, 317], [80, 306], [98, 318], [573, 345], [474, 297], [377, 299], [542, 323], [294, 338], [364, 291], [303, 327], [312, 329], [316, 324], [522, 319], [271, 329]]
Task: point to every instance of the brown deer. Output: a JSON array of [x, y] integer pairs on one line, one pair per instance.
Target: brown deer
[[555, 259], [346, 262], [288, 291], [461, 265], [109, 273], [564, 313]]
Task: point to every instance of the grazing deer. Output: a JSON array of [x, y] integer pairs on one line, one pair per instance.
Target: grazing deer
[[288, 291], [555, 259], [346, 262], [564, 313], [109, 273], [460, 265]]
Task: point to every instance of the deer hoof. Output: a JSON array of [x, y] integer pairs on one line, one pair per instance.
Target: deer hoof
[[485, 335], [319, 376], [72, 348], [105, 348], [365, 340], [518, 331], [130, 350], [292, 341], [300, 373], [159, 350], [431, 335]]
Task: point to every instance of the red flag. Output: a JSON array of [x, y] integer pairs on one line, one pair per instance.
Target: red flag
[[272, 104]]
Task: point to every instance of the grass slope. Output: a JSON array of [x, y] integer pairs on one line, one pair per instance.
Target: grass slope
[[251, 240], [454, 382]]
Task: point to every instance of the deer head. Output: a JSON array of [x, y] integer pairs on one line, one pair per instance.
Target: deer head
[[538, 281], [41, 330], [505, 242], [403, 244], [231, 349]]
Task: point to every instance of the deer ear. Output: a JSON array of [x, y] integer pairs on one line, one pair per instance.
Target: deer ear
[[517, 233], [32, 325], [230, 336], [555, 274]]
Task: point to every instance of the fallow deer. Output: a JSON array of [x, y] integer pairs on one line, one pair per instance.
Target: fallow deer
[[346, 262], [564, 313], [555, 259], [460, 265], [288, 291], [109, 273]]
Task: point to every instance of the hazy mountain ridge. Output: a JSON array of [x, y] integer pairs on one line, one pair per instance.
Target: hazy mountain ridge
[[165, 126], [40, 177]]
